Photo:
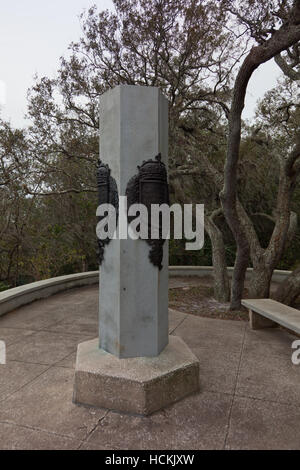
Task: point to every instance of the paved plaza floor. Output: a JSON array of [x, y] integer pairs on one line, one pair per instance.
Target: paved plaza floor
[[249, 396]]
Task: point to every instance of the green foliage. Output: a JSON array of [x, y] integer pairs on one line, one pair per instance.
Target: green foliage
[[4, 286], [178, 255]]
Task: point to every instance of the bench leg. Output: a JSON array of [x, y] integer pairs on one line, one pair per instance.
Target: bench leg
[[258, 322]]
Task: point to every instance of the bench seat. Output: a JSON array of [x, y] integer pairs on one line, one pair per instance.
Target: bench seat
[[266, 313]]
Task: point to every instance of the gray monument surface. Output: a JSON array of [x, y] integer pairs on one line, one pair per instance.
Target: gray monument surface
[[133, 292], [132, 366]]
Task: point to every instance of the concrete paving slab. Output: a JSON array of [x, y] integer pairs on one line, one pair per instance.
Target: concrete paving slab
[[15, 375], [47, 312], [268, 377], [175, 318], [39, 412], [211, 325], [269, 334], [261, 425], [217, 379], [32, 319], [268, 343], [14, 437], [68, 361], [226, 335], [197, 422], [46, 403], [76, 324], [13, 335], [44, 347], [218, 369]]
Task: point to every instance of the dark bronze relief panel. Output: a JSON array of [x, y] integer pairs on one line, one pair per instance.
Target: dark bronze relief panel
[[150, 186], [107, 194]]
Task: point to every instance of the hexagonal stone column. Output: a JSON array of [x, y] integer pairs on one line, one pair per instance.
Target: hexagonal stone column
[[134, 366], [133, 307]]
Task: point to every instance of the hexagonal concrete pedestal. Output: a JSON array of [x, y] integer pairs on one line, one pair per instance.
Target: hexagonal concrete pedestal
[[139, 385]]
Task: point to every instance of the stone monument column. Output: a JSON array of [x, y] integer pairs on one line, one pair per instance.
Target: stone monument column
[[133, 291], [134, 366]]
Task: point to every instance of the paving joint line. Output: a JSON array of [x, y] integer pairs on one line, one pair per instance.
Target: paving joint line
[[172, 331], [92, 430], [33, 428], [266, 400], [35, 378], [25, 385], [234, 390]]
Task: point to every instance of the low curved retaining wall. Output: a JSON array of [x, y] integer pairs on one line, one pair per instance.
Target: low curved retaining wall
[[278, 274], [18, 296], [22, 295]]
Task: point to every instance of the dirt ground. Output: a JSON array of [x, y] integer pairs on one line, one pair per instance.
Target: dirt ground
[[194, 295]]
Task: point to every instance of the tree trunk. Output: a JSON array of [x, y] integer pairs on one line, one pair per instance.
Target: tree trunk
[[221, 280], [238, 277], [289, 290], [260, 282], [287, 35]]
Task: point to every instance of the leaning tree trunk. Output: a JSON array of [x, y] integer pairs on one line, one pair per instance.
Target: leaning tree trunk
[[287, 35], [289, 290], [221, 280], [238, 276]]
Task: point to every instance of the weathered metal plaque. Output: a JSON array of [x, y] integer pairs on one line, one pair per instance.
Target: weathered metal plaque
[[153, 192], [107, 194], [150, 186]]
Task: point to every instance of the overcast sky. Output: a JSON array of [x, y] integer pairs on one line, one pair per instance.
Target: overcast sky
[[35, 33]]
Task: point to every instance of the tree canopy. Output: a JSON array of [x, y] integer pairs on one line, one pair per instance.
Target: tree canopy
[[202, 55]]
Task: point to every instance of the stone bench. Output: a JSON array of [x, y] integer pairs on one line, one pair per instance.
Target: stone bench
[[267, 313]]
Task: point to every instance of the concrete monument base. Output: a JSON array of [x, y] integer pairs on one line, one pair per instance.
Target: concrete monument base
[[138, 385]]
